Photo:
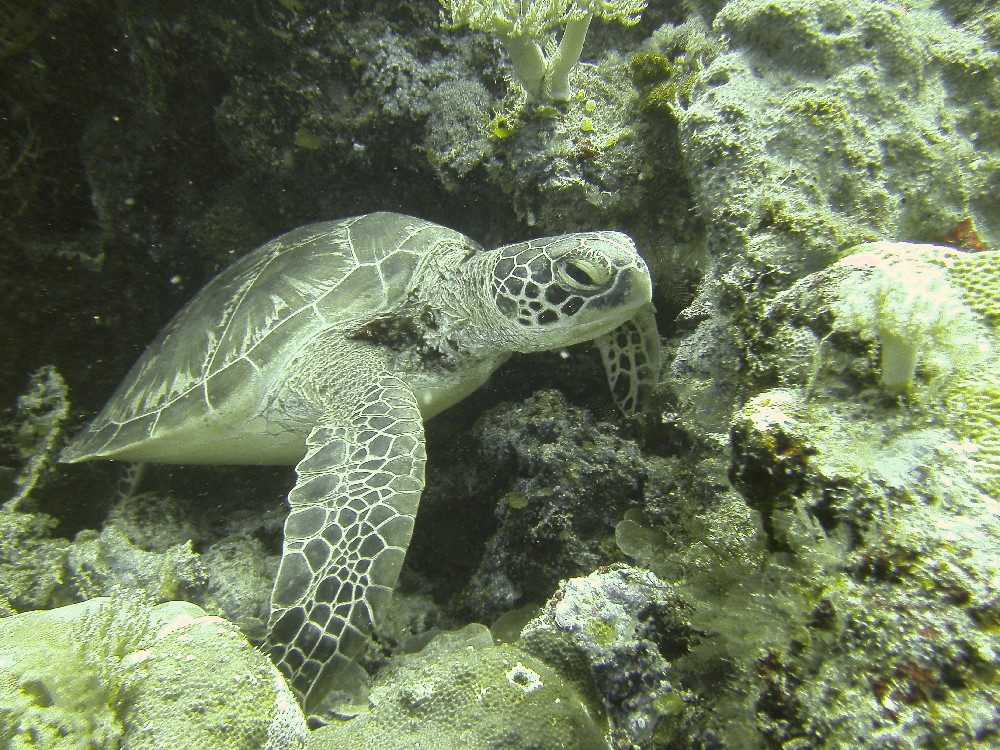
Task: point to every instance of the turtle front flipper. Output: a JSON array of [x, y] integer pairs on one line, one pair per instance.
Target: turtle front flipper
[[351, 518], [631, 356]]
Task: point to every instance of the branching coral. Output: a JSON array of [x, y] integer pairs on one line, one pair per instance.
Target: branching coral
[[520, 24]]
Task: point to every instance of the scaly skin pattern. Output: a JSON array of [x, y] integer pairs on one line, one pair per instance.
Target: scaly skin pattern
[[352, 515]]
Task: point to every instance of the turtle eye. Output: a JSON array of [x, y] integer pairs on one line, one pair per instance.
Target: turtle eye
[[583, 274]]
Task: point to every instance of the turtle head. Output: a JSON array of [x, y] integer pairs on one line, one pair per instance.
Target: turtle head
[[557, 291]]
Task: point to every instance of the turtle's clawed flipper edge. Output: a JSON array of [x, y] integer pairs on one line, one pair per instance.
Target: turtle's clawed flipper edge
[[351, 518]]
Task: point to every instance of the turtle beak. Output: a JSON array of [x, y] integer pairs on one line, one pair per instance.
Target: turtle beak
[[632, 289]]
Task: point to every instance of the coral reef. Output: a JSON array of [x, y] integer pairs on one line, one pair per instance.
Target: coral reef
[[42, 410], [905, 301], [907, 587], [120, 673], [621, 619], [885, 496], [801, 138], [568, 482], [462, 691], [522, 29], [31, 562], [815, 537]]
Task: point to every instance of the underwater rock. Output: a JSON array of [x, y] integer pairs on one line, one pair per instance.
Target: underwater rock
[[893, 320], [142, 545], [462, 692], [879, 506], [31, 562], [883, 578], [823, 124], [569, 479], [628, 625]]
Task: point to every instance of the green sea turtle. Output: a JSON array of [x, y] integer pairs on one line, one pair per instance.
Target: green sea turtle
[[327, 348]]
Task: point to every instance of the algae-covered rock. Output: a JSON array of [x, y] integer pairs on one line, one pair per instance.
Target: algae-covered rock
[[118, 673], [31, 560], [624, 627], [463, 692], [569, 479], [872, 622], [824, 124]]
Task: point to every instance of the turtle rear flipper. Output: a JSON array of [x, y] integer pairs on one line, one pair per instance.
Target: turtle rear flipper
[[631, 357], [351, 519]]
